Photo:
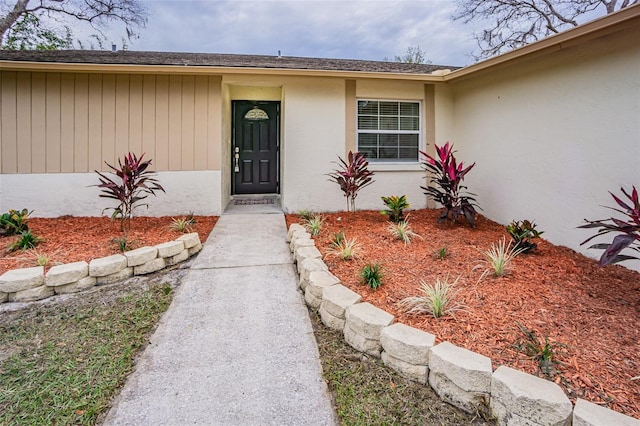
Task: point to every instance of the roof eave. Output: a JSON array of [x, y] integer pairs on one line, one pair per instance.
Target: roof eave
[[210, 70], [625, 18]]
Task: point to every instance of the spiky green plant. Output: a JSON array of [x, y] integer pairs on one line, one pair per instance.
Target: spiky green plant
[[545, 353], [442, 253], [26, 240], [437, 299], [371, 274], [183, 224]]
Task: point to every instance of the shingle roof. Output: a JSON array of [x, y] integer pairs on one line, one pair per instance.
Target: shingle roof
[[215, 60]]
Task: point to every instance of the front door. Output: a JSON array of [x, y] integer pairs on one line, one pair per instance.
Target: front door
[[255, 147]]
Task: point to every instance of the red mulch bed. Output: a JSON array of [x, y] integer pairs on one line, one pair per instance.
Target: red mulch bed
[[554, 291], [71, 239]]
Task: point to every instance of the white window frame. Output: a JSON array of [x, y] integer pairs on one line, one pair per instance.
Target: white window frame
[[398, 161]]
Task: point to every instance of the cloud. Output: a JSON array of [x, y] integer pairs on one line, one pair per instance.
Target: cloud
[[370, 30]]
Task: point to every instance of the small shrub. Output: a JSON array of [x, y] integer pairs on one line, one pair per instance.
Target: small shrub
[[345, 249], [371, 274], [14, 222], [395, 207], [314, 224], [522, 233], [402, 231], [352, 175], [499, 257], [628, 230], [447, 189], [26, 241], [183, 224], [436, 300], [544, 353], [133, 184], [441, 253]]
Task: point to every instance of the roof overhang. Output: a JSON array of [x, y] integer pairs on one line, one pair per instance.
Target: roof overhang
[[438, 76], [623, 19]]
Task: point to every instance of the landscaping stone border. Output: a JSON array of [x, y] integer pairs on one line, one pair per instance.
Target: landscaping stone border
[[31, 284], [461, 377]]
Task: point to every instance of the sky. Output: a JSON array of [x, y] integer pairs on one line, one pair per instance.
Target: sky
[[348, 29]]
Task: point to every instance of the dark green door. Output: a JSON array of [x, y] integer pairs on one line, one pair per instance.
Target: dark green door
[[255, 147]]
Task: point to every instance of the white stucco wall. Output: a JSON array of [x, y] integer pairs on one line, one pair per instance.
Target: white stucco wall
[[552, 136], [313, 136], [57, 194]]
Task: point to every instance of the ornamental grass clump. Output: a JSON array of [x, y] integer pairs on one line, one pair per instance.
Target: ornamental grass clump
[[446, 185], [314, 223], [402, 231], [499, 257], [133, 182], [352, 175], [343, 247], [437, 299], [628, 230]]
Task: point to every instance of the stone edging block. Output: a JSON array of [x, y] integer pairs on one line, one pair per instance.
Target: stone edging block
[[107, 265], [318, 282], [407, 344], [66, 274], [520, 398], [589, 414], [293, 228], [140, 255], [460, 377], [307, 253], [149, 267], [32, 294], [189, 240], [336, 300], [82, 284], [418, 373], [170, 248], [367, 320], [307, 267], [21, 279], [122, 274]]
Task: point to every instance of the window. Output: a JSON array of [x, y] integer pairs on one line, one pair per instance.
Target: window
[[389, 130]]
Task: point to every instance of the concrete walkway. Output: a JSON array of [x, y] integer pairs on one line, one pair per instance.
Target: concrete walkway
[[236, 346]]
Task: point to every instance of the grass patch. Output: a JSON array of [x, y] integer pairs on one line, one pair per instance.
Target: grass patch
[[366, 392], [62, 363]]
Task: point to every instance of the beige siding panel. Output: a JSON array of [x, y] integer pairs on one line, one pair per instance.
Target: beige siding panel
[[162, 123], [23, 102], [149, 117], [38, 122], [9, 117], [188, 122], [53, 117], [109, 119], [67, 112], [135, 114], [121, 130], [215, 123], [200, 126], [95, 122], [81, 124], [175, 121]]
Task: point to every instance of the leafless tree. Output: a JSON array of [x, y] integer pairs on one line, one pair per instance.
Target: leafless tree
[[515, 23], [413, 55], [97, 13]]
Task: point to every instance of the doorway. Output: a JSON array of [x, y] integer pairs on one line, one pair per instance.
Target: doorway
[[255, 147]]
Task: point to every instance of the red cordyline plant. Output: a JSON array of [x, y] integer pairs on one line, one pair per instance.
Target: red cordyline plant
[[352, 176], [629, 230], [134, 183], [446, 184]]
